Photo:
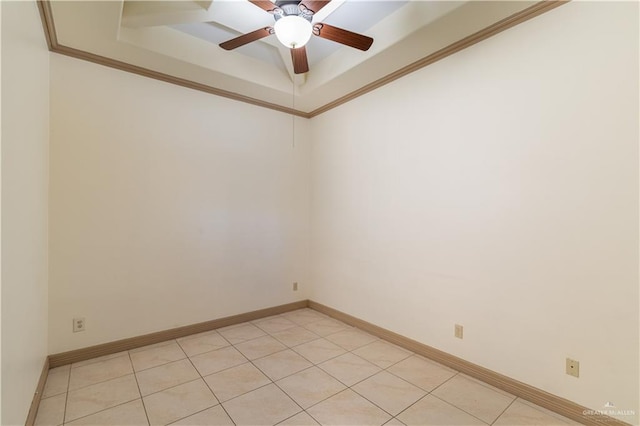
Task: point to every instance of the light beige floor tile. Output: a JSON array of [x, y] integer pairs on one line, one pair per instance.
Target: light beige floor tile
[[265, 406], [382, 354], [236, 381], [98, 359], [178, 402], [295, 336], [165, 376], [549, 412], [351, 339], [218, 360], [213, 416], [389, 392], [474, 398], [487, 385], [348, 408], [62, 368], [51, 411], [326, 327], [202, 342], [310, 386], [394, 422], [319, 350], [304, 316], [274, 324], [152, 346], [99, 372], [433, 411], [240, 333], [101, 396], [349, 368], [262, 346], [523, 414], [57, 382], [423, 373], [156, 356], [300, 419], [282, 364], [129, 414]]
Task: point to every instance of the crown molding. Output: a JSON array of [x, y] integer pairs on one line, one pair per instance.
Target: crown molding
[[524, 15]]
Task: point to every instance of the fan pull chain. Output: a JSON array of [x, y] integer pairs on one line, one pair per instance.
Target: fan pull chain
[[293, 116]]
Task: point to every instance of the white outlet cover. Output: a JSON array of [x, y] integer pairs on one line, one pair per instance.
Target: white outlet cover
[[78, 325]]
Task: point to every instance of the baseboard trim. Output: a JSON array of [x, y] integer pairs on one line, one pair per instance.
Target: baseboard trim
[[37, 396], [537, 396], [542, 398], [64, 358]]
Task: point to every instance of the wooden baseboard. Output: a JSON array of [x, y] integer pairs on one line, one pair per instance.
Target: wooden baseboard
[[77, 355], [37, 396], [544, 399]]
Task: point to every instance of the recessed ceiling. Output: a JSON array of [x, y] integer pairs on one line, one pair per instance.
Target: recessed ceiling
[[178, 40]]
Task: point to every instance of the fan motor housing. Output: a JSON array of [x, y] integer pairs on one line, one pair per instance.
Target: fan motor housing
[[290, 8]]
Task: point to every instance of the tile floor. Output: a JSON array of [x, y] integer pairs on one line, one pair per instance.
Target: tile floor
[[298, 368]]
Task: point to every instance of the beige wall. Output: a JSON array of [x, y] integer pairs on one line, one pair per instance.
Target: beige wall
[[168, 206], [497, 189], [25, 136]]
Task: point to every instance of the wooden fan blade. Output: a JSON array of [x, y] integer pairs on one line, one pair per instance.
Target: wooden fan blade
[[246, 38], [341, 36], [314, 5], [299, 58], [265, 5]]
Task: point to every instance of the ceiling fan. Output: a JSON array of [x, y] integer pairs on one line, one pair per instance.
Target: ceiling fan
[[294, 28]]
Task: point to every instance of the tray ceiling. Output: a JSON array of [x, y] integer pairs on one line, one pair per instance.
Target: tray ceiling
[[178, 40]]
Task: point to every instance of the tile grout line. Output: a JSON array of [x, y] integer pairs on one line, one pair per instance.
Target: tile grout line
[[459, 408], [376, 405], [92, 361], [351, 387], [66, 397], [208, 387], [546, 411], [103, 410], [290, 417], [503, 411], [462, 409], [170, 341], [158, 365], [323, 361], [134, 372], [292, 349], [290, 397], [273, 382], [135, 376], [430, 393], [101, 381], [282, 378], [486, 385], [154, 346]]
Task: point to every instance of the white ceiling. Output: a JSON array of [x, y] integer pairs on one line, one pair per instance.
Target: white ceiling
[[180, 39]]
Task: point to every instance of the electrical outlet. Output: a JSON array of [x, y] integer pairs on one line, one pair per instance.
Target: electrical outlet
[[573, 367], [295, 286], [458, 331], [78, 325]]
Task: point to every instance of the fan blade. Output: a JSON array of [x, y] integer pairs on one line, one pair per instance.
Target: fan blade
[[265, 5], [313, 5], [299, 58], [246, 38], [339, 35]]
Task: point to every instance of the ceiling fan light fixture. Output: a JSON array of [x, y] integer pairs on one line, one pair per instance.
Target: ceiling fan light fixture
[[293, 31]]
